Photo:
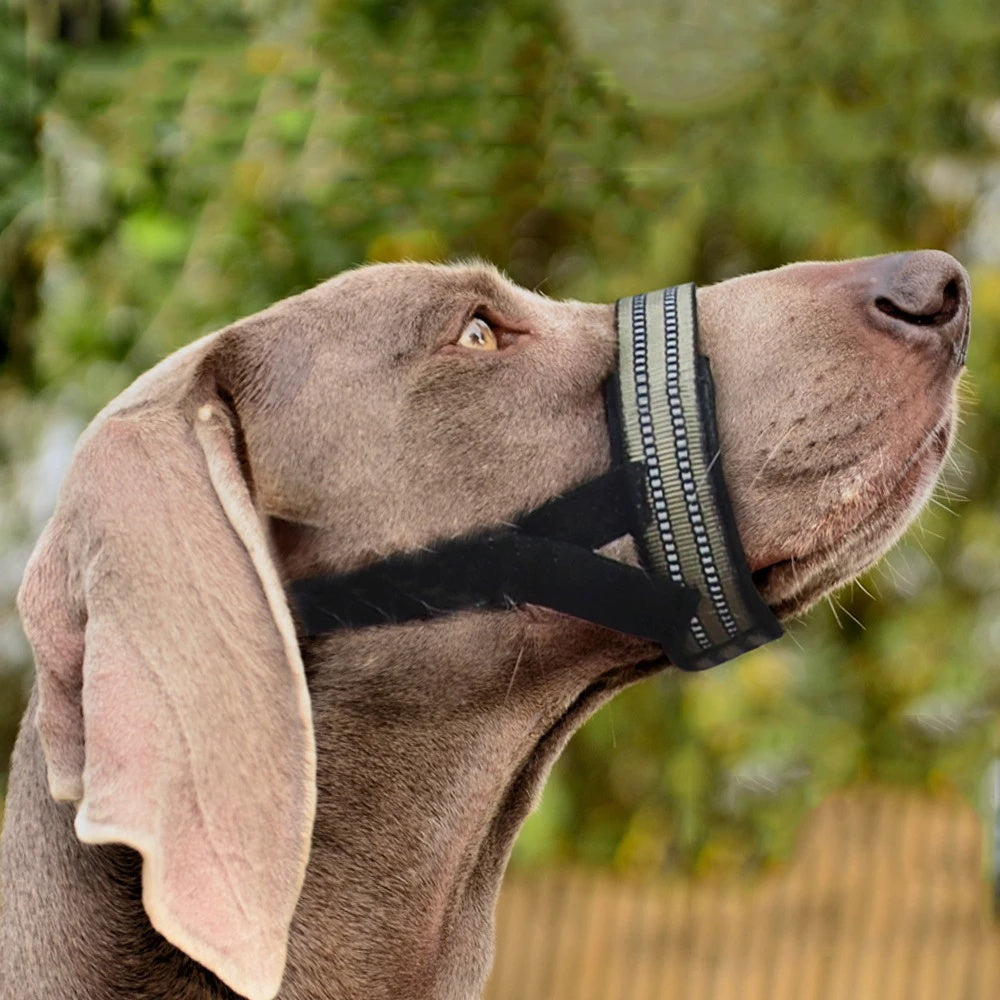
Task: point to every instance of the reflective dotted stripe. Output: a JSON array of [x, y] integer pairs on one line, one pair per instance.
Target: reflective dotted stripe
[[684, 455], [660, 535]]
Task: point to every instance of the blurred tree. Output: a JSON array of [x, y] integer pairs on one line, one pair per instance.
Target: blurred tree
[[26, 80], [195, 160], [478, 131]]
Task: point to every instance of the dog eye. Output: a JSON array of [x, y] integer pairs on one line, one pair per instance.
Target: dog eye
[[479, 336]]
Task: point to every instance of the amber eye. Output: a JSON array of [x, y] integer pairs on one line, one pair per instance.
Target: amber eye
[[478, 335]]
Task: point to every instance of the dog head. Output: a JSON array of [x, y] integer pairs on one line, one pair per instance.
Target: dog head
[[382, 411]]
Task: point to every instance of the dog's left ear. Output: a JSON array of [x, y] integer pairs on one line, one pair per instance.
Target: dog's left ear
[[173, 707]]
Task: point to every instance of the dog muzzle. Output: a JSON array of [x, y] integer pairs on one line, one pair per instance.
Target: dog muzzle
[[693, 593]]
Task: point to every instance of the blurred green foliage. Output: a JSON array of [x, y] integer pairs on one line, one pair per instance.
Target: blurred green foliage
[[174, 165]]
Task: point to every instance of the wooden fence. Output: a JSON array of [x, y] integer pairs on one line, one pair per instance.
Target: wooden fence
[[885, 900]]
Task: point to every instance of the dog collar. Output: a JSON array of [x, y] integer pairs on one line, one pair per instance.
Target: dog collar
[[693, 593]]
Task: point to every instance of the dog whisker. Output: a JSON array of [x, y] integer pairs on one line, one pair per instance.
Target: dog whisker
[[794, 638], [951, 491], [847, 611], [771, 455], [939, 503], [833, 608], [513, 674]]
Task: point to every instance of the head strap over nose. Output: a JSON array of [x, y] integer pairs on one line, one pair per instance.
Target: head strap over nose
[[661, 409]]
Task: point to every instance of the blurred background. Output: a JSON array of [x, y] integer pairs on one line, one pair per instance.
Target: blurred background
[[167, 166]]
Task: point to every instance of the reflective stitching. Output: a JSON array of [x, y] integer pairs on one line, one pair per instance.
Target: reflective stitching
[[654, 475], [685, 474]]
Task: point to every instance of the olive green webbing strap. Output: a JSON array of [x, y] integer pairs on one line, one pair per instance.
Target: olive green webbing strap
[[667, 422]]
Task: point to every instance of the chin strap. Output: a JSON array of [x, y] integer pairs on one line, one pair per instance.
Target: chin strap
[[694, 594], [546, 558]]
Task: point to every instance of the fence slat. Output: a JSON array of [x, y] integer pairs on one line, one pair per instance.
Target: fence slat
[[885, 900]]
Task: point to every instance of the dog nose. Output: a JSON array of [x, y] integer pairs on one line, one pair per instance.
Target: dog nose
[[923, 299]]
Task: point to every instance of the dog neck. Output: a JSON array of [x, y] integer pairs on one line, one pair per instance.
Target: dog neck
[[433, 744]]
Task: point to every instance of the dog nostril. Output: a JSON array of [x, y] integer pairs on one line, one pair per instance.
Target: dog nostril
[[939, 313]]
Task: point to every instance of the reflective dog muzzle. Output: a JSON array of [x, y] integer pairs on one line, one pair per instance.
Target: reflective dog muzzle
[[693, 594]]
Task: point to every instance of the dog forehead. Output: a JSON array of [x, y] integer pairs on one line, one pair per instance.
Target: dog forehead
[[419, 301]]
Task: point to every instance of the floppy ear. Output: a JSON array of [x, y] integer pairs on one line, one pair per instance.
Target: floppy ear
[[172, 699]]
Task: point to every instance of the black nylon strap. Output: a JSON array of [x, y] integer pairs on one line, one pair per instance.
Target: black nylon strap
[[545, 558], [593, 514]]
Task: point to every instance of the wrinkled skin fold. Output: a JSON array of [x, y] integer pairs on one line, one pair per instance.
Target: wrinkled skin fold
[[201, 806]]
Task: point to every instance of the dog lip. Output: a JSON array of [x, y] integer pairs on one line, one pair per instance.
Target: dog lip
[[765, 582]]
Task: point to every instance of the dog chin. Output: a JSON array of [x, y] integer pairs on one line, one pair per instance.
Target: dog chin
[[792, 585]]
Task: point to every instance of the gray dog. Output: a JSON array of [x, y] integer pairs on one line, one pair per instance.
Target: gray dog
[[204, 804]]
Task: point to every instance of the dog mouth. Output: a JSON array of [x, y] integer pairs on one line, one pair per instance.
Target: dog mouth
[[792, 585]]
